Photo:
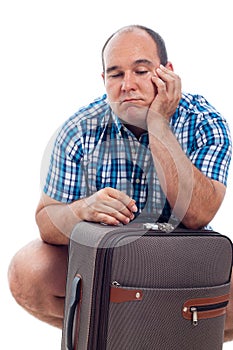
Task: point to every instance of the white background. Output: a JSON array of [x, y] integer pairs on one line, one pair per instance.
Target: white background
[[50, 66]]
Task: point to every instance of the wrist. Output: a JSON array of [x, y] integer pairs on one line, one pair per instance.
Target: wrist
[[78, 208], [157, 124]]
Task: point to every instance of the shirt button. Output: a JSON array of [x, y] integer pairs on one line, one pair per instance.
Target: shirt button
[[137, 181]]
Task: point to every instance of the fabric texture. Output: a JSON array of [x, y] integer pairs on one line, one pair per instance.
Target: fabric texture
[[168, 269], [94, 150]]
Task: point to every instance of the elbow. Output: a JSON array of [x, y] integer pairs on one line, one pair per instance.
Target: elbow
[[197, 220], [194, 224], [49, 233], [202, 212], [43, 225], [40, 221]]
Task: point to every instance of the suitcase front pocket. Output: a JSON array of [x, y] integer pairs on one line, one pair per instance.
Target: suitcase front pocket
[[197, 309], [151, 318]]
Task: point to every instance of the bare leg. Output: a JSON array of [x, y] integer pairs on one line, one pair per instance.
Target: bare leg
[[228, 334], [37, 279]]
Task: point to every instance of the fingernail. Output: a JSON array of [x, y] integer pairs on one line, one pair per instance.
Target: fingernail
[[127, 220], [131, 216], [134, 208]]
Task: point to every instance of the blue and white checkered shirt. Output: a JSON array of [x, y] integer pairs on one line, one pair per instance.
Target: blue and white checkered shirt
[[94, 150]]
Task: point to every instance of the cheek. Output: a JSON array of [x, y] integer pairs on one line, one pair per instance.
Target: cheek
[[112, 90], [147, 85], [150, 91]]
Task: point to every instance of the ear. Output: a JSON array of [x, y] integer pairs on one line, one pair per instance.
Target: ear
[[103, 76], [169, 66]]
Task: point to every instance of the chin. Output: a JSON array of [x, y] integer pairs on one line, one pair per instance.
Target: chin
[[135, 116]]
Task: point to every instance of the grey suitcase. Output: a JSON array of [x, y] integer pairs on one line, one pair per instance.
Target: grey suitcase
[[145, 286]]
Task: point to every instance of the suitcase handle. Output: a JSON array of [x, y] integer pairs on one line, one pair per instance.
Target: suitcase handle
[[73, 302]]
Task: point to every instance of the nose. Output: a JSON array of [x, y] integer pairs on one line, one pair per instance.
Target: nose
[[128, 82]]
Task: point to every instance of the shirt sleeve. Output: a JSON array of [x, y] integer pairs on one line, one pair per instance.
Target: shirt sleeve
[[64, 178], [212, 147]]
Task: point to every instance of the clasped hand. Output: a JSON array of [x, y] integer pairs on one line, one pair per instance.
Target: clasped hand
[[109, 206]]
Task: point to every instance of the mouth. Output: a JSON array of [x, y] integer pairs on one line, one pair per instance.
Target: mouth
[[131, 100]]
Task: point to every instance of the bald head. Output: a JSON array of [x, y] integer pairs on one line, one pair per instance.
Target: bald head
[[158, 40]]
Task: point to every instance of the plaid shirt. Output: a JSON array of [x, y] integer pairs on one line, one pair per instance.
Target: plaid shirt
[[94, 150]]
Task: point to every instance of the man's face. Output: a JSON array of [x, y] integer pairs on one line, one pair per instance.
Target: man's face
[[130, 61]]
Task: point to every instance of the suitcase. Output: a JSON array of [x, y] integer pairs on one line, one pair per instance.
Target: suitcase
[[146, 286]]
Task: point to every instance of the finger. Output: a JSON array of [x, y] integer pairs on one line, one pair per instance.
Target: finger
[[117, 209], [97, 211], [155, 80], [167, 80], [102, 203], [107, 219], [108, 215], [119, 216], [162, 70], [120, 211], [122, 198], [173, 81], [132, 206]]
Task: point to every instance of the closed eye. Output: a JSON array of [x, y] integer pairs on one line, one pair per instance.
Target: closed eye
[[116, 75], [141, 72]]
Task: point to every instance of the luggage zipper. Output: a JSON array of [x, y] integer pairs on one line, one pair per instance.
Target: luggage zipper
[[194, 315], [205, 308], [202, 308], [194, 310]]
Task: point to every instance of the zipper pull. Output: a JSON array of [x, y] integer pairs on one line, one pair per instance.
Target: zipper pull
[[194, 317], [116, 284]]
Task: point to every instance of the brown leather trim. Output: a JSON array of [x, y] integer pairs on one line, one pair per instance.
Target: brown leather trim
[[187, 314], [121, 295]]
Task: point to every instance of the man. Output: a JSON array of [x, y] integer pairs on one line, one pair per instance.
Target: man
[[145, 147]]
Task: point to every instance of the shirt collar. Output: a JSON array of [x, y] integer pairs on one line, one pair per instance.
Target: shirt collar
[[116, 120], [120, 127]]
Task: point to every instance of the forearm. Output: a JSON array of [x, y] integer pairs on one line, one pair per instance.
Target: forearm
[[108, 205], [56, 221], [193, 197]]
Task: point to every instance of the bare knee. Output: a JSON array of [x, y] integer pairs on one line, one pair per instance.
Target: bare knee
[[20, 273], [37, 271]]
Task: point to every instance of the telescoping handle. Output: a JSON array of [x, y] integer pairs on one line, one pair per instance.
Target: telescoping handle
[[73, 302]]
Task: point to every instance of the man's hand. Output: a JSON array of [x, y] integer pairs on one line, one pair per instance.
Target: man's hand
[[56, 220], [168, 86], [109, 206]]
